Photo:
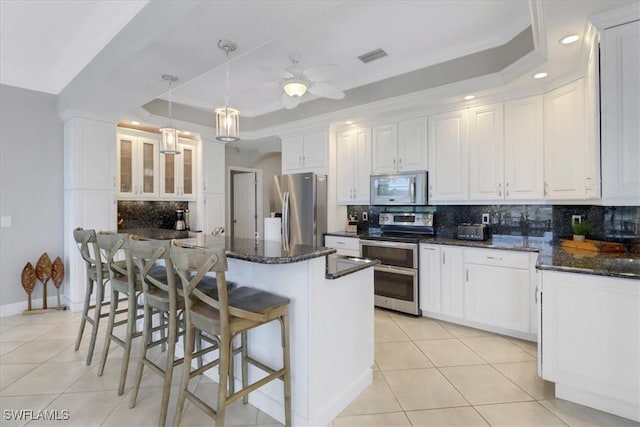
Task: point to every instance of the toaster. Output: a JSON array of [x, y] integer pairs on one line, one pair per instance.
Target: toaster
[[473, 232]]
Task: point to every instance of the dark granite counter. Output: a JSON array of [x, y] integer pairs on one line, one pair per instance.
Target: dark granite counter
[[157, 233], [261, 251], [515, 243], [345, 234], [341, 265]]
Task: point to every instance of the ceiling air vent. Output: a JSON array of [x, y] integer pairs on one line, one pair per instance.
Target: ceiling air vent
[[372, 56]]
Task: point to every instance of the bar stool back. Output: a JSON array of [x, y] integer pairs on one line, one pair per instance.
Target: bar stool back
[[124, 280], [96, 277], [229, 314]]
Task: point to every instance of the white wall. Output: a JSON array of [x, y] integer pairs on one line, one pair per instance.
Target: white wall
[[270, 164], [31, 188]]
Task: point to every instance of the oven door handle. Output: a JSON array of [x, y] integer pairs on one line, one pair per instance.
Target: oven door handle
[[380, 243], [397, 270]]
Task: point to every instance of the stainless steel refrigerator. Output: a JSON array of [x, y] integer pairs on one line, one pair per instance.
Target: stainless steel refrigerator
[[301, 200]]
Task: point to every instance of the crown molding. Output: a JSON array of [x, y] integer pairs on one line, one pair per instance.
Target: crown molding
[[615, 17]]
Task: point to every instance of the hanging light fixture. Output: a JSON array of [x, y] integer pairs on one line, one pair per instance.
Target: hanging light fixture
[[169, 133], [227, 119]]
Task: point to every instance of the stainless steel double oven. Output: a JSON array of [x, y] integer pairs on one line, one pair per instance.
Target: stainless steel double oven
[[396, 278]]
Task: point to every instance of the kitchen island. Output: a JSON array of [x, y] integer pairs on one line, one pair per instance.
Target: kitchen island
[[331, 324]]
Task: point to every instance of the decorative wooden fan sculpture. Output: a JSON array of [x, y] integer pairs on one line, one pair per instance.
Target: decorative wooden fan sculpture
[[43, 273], [57, 274], [28, 281]]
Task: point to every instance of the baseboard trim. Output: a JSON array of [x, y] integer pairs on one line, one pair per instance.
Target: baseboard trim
[[18, 307]]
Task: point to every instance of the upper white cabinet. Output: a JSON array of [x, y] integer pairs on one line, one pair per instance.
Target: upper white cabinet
[[138, 167], [305, 153], [178, 172], [566, 148], [213, 168], [400, 147], [486, 152], [620, 109], [448, 156], [523, 149], [353, 166]]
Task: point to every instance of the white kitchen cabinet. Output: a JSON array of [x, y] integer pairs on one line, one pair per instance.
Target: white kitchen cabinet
[[400, 147], [523, 149], [452, 281], [213, 211], [349, 246], [486, 152], [305, 153], [448, 157], [213, 167], [565, 145], [178, 173], [353, 166], [497, 288], [430, 288], [591, 340], [620, 109], [138, 167]]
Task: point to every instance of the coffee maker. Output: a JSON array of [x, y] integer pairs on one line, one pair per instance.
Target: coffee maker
[[181, 224]]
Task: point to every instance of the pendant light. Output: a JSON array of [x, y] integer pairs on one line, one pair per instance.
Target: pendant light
[[169, 133], [227, 119]]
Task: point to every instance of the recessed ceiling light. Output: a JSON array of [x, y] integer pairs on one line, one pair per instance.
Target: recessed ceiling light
[[133, 122], [540, 75], [185, 132], [570, 39], [469, 97], [348, 122]]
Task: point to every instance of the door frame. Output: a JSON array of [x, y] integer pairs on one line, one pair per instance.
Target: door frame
[[231, 170]]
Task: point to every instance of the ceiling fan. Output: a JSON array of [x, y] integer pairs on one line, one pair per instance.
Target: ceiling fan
[[296, 81]]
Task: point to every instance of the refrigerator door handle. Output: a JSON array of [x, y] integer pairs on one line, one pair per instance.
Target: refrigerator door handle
[[285, 218]]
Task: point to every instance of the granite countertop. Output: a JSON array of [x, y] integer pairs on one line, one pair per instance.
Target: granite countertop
[[156, 233], [341, 265], [513, 243], [261, 251], [344, 234]]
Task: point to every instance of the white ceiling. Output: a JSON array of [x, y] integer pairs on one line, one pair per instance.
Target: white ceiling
[[106, 57]]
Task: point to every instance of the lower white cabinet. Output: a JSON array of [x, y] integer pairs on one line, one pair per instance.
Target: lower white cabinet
[[497, 288], [591, 340], [485, 288], [451, 280], [349, 246]]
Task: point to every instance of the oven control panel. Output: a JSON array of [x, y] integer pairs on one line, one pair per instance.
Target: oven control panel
[[417, 219]]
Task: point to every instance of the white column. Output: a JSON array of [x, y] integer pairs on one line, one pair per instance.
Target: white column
[[89, 193]]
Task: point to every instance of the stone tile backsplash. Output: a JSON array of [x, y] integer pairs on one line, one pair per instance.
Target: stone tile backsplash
[[549, 222], [148, 214]]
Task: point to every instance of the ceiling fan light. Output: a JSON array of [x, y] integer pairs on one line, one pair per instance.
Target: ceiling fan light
[[227, 124], [295, 87]]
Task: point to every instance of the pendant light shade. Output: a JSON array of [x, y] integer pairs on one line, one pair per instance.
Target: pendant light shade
[[169, 143], [227, 118]]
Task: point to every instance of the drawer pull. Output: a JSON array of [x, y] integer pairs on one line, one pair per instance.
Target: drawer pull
[[494, 257], [340, 243]]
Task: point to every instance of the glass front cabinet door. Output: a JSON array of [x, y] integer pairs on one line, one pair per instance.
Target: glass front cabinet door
[[178, 173], [137, 167]]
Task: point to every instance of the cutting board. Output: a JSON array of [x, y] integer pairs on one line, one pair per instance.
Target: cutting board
[[593, 245]]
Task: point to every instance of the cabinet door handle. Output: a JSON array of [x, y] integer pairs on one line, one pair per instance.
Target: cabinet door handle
[[467, 271], [546, 187], [506, 189], [400, 163], [536, 295], [443, 259], [355, 192], [499, 189]]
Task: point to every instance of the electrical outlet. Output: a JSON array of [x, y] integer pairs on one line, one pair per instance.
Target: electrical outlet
[[365, 216], [576, 219], [485, 218]]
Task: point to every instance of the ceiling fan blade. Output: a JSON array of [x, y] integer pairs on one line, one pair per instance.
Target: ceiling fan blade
[[275, 72], [326, 90], [290, 102], [321, 72]]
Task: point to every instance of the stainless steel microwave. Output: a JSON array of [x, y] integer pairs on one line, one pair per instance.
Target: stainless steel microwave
[[409, 188]]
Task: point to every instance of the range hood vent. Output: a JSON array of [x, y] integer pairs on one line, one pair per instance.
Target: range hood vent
[[372, 56]]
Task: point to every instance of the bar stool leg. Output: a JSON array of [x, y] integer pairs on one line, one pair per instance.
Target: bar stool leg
[[146, 338], [96, 320], [224, 353], [113, 307], [245, 366], [85, 311], [132, 311], [168, 372], [284, 322], [189, 344]]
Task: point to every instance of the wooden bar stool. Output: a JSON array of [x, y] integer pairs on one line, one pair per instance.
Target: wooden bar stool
[[124, 280], [97, 276], [229, 314]]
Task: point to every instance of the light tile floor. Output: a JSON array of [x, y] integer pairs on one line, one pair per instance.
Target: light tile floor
[[427, 373]]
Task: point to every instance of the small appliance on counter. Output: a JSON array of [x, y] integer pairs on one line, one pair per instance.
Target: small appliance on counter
[[352, 224], [473, 232], [181, 224]]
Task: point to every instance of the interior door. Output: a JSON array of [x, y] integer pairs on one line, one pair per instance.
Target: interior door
[[244, 205]]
